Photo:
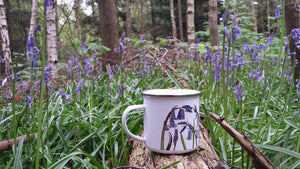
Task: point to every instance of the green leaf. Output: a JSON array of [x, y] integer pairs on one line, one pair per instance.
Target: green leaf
[[18, 155], [168, 166], [280, 149], [174, 80], [293, 124], [61, 163]]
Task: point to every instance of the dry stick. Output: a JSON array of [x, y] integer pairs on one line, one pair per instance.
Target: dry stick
[[7, 144], [258, 159]]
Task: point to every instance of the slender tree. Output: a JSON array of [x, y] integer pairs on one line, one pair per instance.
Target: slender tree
[[32, 22], [254, 16], [51, 37], [261, 21], [180, 20], [109, 30], [174, 34], [190, 21], [5, 39], [292, 21], [76, 9], [128, 18], [213, 22]]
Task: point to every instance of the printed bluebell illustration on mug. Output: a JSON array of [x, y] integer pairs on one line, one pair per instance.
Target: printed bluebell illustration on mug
[[178, 128]]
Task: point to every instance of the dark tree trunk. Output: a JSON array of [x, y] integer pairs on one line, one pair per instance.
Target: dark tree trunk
[[109, 30], [292, 21], [213, 22], [261, 17], [128, 19], [174, 34]]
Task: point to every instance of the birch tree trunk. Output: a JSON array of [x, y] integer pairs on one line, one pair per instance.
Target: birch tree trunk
[[190, 21], [76, 9], [5, 39], [213, 22], [292, 21], [268, 15], [51, 38], [32, 23], [174, 34], [180, 20], [262, 26]]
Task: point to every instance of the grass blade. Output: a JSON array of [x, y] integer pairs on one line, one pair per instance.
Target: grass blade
[[280, 149], [179, 85]]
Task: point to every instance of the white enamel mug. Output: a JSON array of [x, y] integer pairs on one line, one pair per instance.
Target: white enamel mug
[[171, 120]]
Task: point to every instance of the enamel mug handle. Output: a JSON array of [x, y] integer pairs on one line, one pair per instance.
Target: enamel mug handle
[[126, 111]]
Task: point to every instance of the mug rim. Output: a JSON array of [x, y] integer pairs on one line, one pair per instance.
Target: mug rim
[[171, 92]]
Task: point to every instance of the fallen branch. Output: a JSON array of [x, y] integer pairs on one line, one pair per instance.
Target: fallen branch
[[258, 159], [7, 144]]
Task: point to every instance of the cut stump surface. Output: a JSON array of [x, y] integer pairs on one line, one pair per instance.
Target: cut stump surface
[[204, 157]]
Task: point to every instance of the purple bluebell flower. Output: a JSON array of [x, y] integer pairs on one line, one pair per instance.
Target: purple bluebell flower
[[37, 28], [142, 38], [206, 72], [172, 119], [121, 89], [246, 48], [109, 72], [1, 59], [79, 87], [17, 76], [188, 108], [180, 115], [236, 33], [0, 82], [83, 46], [175, 139], [48, 70], [182, 130], [190, 133], [226, 17], [239, 91], [48, 5], [277, 13], [29, 102], [67, 97], [227, 34]]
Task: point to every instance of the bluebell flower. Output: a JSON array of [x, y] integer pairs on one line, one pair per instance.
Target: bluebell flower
[[109, 72], [17, 76], [79, 87], [0, 82], [172, 119], [48, 5], [180, 115], [123, 47], [226, 17], [188, 108], [142, 38], [135, 84], [67, 97], [83, 46], [239, 91], [1, 59], [37, 28], [29, 102], [236, 33], [121, 89], [227, 34], [175, 139], [277, 13], [246, 48], [48, 70], [206, 72], [190, 133]]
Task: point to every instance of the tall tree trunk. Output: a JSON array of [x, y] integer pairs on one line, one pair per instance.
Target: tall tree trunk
[[174, 34], [268, 15], [109, 30], [190, 21], [153, 18], [254, 16], [213, 22], [76, 9], [5, 39], [32, 22], [261, 24], [292, 21], [180, 20], [128, 19], [51, 38]]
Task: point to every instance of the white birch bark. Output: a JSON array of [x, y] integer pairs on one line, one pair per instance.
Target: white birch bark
[[5, 39], [51, 39], [174, 33], [190, 21], [32, 22]]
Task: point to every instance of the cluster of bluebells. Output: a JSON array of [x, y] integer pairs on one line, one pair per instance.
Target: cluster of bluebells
[[32, 50], [66, 97]]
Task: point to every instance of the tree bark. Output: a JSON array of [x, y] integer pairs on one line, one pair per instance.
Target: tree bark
[[213, 22], [109, 30], [174, 34], [51, 38], [128, 19], [292, 21], [5, 39], [76, 9], [190, 21], [268, 15], [261, 24], [254, 16], [180, 20], [204, 157], [32, 22]]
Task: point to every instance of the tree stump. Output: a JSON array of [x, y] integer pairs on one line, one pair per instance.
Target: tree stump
[[204, 157]]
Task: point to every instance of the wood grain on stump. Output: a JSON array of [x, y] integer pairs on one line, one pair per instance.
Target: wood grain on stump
[[204, 157]]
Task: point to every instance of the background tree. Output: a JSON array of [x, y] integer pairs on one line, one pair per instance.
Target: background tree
[[51, 37], [109, 29], [180, 20], [76, 9], [32, 22], [292, 21], [128, 18], [190, 21], [213, 22], [174, 34], [5, 39]]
